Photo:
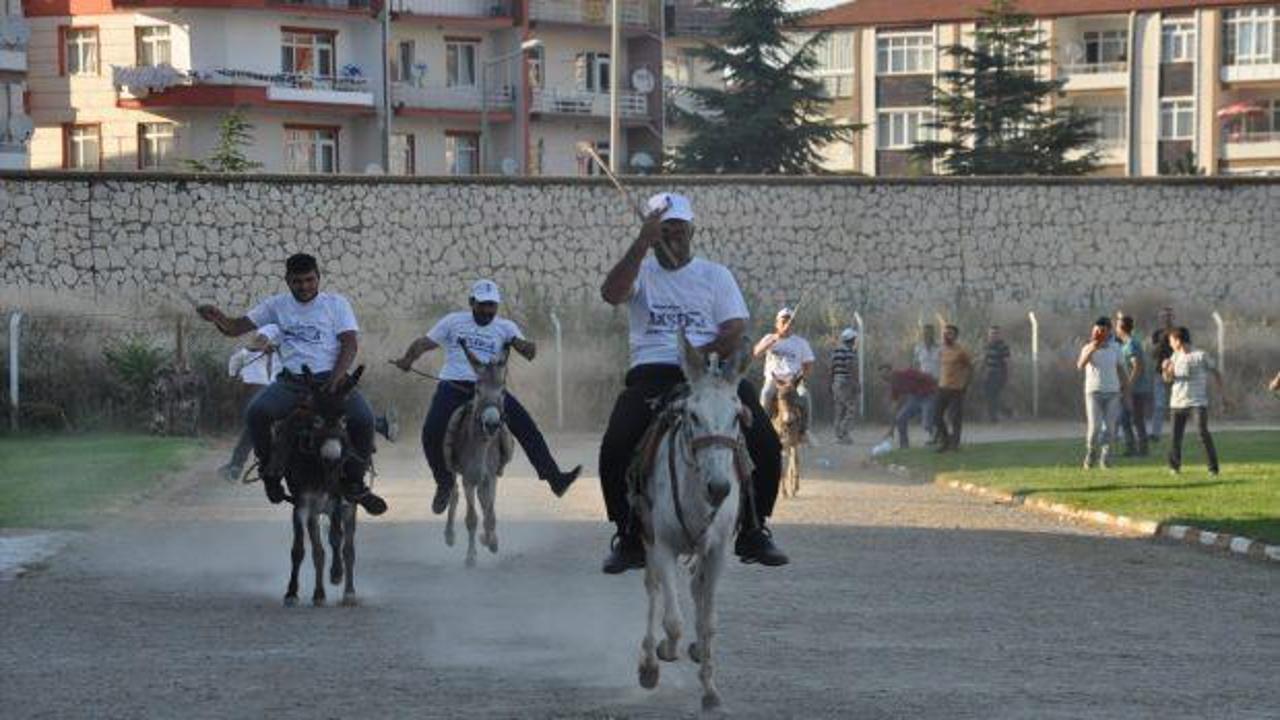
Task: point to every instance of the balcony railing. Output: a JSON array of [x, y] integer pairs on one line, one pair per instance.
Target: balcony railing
[[688, 19], [588, 12], [14, 32], [284, 87], [324, 4], [557, 101], [1096, 68], [1246, 138], [454, 8], [466, 98]]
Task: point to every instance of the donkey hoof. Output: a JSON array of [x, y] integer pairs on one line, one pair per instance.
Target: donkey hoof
[[317, 601], [695, 653], [471, 561], [668, 651], [493, 547], [335, 576], [648, 676], [710, 701], [448, 538], [349, 600], [290, 601]]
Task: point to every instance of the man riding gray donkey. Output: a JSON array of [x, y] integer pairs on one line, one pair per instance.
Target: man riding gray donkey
[[486, 335], [663, 294], [318, 330]]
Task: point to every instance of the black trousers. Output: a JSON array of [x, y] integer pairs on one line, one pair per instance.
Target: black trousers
[[1133, 423], [1180, 417], [950, 417], [632, 413]]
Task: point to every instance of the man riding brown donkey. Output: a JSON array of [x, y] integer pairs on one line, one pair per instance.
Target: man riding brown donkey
[[319, 333], [663, 294]]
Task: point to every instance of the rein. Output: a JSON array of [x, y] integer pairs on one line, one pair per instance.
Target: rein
[[696, 444]]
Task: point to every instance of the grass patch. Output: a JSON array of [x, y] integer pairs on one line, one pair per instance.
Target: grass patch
[[1244, 499], [63, 481]]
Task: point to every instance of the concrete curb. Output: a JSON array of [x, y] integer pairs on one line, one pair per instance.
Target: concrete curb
[[1204, 539]]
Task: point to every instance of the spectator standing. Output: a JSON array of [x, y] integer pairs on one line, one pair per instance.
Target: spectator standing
[[1187, 371], [956, 374], [927, 358], [1133, 416], [1161, 350], [1104, 385], [995, 364], [846, 386]]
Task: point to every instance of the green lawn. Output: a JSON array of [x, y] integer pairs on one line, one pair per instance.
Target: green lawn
[[1244, 499], [63, 481]]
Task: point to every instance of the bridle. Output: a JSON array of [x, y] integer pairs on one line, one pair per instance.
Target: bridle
[[682, 429]]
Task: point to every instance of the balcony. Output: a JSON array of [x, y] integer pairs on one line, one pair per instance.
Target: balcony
[[589, 12], [14, 34], [1263, 145], [163, 86], [410, 99], [557, 101], [689, 18], [1086, 76], [454, 8], [305, 7], [1262, 72]]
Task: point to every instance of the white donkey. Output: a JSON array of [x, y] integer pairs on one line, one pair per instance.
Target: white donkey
[[477, 446], [690, 508]]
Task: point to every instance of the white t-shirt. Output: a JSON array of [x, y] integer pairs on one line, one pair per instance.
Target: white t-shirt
[[701, 295], [787, 357], [308, 332], [1102, 373], [1190, 379], [484, 341], [928, 360], [255, 367]]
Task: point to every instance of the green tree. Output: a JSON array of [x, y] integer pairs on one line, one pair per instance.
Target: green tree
[[771, 116], [234, 135], [994, 109]]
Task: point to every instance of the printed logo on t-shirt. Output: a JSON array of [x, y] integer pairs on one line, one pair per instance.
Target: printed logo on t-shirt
[[666, 318], [303, 332], [483, 344]]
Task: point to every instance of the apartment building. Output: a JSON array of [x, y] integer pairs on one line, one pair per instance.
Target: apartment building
[[1166, 80], [15, 125], [476, 86]]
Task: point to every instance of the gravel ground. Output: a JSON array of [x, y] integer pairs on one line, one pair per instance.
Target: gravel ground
[[903, 600]]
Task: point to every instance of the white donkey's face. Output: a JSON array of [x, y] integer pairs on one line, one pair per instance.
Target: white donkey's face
[[712, 413], [491, 382]]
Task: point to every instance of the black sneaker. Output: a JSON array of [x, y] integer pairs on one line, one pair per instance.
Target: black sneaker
[[441, 501], [365, 498], [274, 488], [755, 545], [561, 481], [626, 552]]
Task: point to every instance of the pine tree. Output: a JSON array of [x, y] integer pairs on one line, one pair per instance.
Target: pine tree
[[995, 110], [771, 116], [234, 135]]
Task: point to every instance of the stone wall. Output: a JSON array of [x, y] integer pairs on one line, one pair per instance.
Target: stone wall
[[395, 245]]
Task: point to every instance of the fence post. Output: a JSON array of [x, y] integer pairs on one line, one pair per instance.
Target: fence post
[[1222, 342], [555, 322], [862, 365], [1035, 364], [15, 333]]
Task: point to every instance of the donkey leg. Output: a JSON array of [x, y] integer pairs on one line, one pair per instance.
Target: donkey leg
[[449, 536], [336, 530], [295, 555], [472, 522], [672, 619], [317, 556], [489, 538], [349, 555], [704, 591], [648, 669]]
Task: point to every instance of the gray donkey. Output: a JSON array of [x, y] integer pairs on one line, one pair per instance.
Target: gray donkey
[[478, 446]]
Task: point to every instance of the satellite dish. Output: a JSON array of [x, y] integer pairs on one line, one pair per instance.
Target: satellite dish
[[642, 80], [509, 166], [642, 161], [373, 169], [1075, 53], [21, 127]]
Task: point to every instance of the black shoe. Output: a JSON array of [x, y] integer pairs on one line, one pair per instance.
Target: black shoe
[[274, 488], [755, 545], [441, 501], [561, 481], [365, 498], [626, 552]]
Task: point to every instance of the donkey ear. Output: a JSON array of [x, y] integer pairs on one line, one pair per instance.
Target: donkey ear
[[692, 361], [306, 373]]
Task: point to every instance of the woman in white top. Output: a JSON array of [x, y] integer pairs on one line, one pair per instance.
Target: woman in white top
[[1105, 386]]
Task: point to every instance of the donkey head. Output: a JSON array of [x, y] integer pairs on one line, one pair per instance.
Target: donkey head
[[328, 425], [490, 395], [712, 413]]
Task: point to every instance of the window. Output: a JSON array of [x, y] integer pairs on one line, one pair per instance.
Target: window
[[460, 62], [402, 69], [155, 146], [1265, 122], [462, 153], [1105, 47], [153, 46], [592, 71], [901, 130], [1249, 36], [1178, 41], [82, 147], [588, 167], [310, 149], [402, 154], [80, 51], [536, 63], [904, 53], [835, 64], [1109, 123], [1177, 119], [307, 54]]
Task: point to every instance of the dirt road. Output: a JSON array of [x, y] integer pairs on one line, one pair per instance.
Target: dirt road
[[903, 601]]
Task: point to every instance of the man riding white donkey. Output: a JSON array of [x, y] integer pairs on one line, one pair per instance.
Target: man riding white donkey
[[318, 330], [486, 335]]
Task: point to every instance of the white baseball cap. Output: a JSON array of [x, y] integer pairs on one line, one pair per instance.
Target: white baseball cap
[[678, 206], [485, 291], [848, 334], [785, 312]]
